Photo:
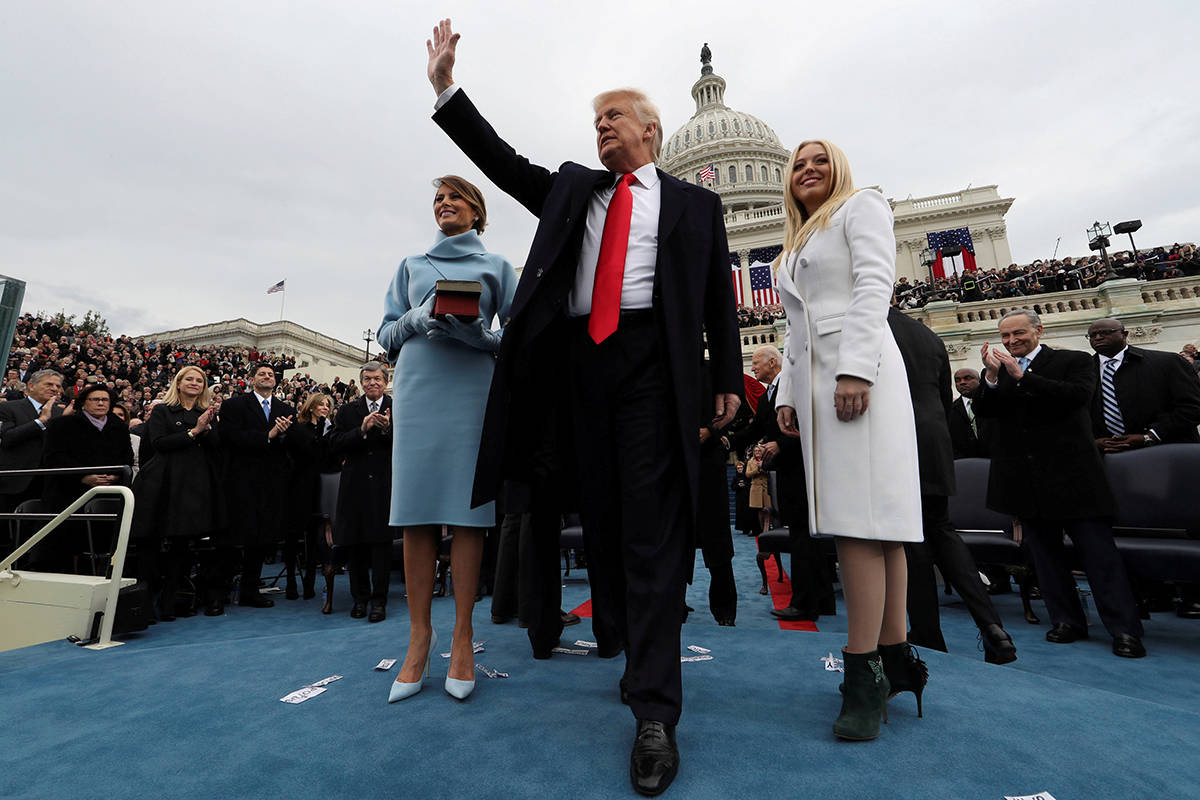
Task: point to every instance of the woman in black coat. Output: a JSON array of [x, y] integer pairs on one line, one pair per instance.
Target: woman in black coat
[[178, 490], [308, 444], [91, 436]]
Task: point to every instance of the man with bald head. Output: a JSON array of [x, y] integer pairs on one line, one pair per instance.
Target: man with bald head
[[626, 281], [968, 434]]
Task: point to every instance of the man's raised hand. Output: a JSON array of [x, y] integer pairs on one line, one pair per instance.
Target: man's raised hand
[[441, 56]]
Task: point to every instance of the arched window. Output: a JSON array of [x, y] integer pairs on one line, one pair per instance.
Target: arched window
[[733, 174], [687, 137], [737, 127], [716, 177], [724, 127], [698, 133], [778, 176], [711, 129], [764, 175], [749, 173]]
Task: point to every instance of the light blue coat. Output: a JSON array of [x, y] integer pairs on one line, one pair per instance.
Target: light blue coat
[[440, 388]]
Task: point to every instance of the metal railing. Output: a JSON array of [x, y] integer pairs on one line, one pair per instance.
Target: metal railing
[[117, 562]]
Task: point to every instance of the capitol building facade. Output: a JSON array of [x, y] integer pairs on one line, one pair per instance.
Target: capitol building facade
[[741, 158]]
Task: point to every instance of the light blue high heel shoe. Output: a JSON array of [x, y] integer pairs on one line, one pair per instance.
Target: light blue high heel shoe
[[460, 690], [401, 690]]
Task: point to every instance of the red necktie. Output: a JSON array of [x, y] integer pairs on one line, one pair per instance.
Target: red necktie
[[610, 266]]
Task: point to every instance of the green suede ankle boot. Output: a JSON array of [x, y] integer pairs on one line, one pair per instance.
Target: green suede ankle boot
[[864, 699]]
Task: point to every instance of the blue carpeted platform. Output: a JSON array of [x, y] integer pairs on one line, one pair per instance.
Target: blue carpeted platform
[[191, 709]]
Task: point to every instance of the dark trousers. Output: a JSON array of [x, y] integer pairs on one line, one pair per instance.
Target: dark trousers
[[812, 579], [370, 571], [635, 507], [716, 538], [945, 548], [218, 566], [1105, 570]]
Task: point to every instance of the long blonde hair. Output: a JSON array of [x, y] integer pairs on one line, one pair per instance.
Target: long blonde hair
[[172, 396], [798, 226]]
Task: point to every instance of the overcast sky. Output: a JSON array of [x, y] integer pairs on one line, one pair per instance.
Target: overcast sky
[[166, 161]]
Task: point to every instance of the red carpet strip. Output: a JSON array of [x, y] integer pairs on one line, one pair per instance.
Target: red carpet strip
[[780, 588]]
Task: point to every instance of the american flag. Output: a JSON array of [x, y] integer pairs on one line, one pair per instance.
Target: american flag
[[276, 288], [762, 289], [736, 274], [709, 173], [961, 237]]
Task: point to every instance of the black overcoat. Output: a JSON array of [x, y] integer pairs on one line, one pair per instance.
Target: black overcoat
[[73, 441], [1045, 464], [692, 290], [178, 490], [21, 442], [1155, 391], [257, 469], [928, 368], [365, 492], [310, 446]]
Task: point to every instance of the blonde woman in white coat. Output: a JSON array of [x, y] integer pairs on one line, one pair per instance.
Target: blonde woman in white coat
[[844, 392]]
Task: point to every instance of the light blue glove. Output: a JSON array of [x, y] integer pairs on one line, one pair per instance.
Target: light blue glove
[[416, 320], [470, 333]]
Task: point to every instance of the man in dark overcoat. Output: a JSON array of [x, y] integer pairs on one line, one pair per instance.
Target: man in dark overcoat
[[629, 267], [1046, 472], [362, 434], [22, 435], [257, 466]]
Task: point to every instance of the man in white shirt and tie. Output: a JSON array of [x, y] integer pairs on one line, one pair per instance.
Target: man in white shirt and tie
[[1046, 472], [257, 465], [22, 434], [627, 279], [968, 433]]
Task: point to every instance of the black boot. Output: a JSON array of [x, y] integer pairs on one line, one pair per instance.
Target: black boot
[[905, 671], [761, 559], [327, 571], [865, 697]]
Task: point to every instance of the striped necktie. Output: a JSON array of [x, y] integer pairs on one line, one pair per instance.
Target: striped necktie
[[1024, 362], [1108, 393]]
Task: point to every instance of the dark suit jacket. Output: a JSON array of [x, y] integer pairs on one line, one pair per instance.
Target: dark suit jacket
[[928, 369], [788, 465], [1154, 390], [967, 443], [365, 493], [21, 441], [256, 468], [692, 290], [1045, 464]]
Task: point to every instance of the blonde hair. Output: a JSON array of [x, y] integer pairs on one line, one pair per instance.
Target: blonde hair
[[642, 106], [306, 411], [798, 226], [172, 396]]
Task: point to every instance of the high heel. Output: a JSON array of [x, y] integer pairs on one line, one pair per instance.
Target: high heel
[[461, 690], [865, 698], [400, 689], [905, 671]]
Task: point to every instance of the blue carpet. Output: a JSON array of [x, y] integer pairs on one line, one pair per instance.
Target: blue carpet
[[191, 709]]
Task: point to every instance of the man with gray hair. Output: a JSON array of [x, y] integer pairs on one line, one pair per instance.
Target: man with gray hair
[[363, 435], [23, 432], [1046, 472], [627, 278]]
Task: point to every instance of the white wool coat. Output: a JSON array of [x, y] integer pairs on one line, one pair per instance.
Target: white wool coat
[[862, 475]]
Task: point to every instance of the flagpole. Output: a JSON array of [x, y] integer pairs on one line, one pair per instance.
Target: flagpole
[[282, 297]]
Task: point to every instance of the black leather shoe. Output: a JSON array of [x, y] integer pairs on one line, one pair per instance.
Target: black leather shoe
[[378, 613], [655, 758], [358, 610], [569, 619], [1062, 633], [998, 647], [501, 619], [256, 601], [726, 622], [1127, 646], [793, 614], [1188, 610], [214, 609], [610, 650]]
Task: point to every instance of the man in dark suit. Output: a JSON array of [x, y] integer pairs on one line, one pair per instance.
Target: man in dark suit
[[23, 434], [628, 268], [928, 370], [968, 434], [812, 584], [1046, 472], [363, 435], [1146, 398], [256, 481]]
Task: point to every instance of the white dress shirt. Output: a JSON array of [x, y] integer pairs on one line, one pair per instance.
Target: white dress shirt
[[1119, 358], [637, 283]]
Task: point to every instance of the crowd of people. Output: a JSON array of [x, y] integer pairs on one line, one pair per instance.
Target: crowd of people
[[750, 316], [1051, 275]]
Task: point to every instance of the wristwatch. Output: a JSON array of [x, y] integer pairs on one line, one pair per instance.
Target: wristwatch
[[1148, 439]]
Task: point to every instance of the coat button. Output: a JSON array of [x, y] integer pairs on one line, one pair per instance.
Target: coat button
[[804, 262], [539, 272]]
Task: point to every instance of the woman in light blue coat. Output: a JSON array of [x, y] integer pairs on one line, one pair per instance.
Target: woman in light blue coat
[[443, 369]]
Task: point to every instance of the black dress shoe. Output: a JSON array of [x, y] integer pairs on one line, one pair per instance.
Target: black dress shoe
[[793, 614], [358, 610], [655, 758], [378, 613], [726, 622], [998, 647], [1062, 633], [569, 619], [1188, 610], [1127, 646], [256, 601], [501, 619], [610, 650], [214, 609]]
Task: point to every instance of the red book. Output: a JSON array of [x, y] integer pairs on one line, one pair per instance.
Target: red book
[[460, 298]]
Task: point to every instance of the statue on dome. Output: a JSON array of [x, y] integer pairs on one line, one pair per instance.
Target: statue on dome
[[705, 55]]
